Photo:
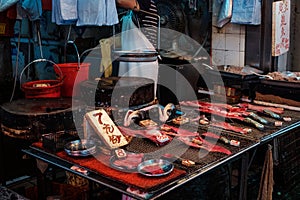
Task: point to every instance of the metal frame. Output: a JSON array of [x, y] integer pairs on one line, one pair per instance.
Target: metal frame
[[244, 155]]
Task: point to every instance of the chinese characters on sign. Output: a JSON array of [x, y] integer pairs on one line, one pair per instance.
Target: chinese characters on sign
[[281, 27], [105, 128]]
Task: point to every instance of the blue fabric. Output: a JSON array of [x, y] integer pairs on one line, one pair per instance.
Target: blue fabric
[[5, 4], [225, 13], [84, 12], [64, 12], [97, 13], [246, 12], [33, 8]]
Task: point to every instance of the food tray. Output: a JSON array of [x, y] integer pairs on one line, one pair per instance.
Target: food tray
[[135, 56], [286, 89], [155, 167]]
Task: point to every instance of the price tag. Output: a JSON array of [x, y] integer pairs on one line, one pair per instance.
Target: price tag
[[105, 128]]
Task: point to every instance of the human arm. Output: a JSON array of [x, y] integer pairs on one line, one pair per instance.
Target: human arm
[[129, 4]]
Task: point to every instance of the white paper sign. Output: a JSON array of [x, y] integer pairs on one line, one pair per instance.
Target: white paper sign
[[105, 128], [281, 27]]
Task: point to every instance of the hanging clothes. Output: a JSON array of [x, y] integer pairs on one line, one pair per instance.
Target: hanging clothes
[[32, 9], [7, 4], [64, 12], [246, 12], [97, 13], [225, 13]]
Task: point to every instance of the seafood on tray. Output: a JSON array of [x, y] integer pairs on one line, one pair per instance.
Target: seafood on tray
[[128, 163], [228, 126], [167, 133], [155, 135], [261, 108], [242, 113], [197, 141]]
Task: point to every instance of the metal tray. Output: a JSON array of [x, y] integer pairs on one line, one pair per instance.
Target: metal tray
[[135, 56], [155, 167], [284, 89], [80, 148]]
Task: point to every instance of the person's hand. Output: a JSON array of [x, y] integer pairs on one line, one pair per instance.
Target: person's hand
[[129, 4]]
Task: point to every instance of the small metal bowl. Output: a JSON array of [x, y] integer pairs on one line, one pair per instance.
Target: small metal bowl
[[80, 148], [155, 167]]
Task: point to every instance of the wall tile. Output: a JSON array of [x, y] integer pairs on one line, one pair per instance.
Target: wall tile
[[232, 42], [215, 30], [232, 58], [243, 29], [242, 59], [218, 41], [233, 28], [242, 43], [230, 45], [218, 57]]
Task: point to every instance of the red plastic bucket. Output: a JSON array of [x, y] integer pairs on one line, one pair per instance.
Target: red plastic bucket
[[42, 88], [73, 76]]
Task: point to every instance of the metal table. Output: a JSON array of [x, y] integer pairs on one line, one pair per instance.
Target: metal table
[[98, 178], [244, 155]]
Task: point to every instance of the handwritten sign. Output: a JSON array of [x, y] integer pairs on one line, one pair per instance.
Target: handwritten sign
[[105, 128], [281, 27]]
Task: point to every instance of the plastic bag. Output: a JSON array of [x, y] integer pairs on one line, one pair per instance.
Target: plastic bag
[[225, 13], [133, 39]]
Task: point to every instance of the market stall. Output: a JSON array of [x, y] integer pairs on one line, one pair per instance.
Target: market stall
[[152, 97], [190, 154]]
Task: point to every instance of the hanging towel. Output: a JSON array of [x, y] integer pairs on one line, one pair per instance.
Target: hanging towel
[[266, 181], [97, 13], [106, 63], [246, 12], [64, 12], [111, 13]]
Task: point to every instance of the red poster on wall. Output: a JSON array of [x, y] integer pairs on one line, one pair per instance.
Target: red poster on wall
[[281, 27]]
